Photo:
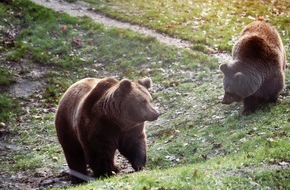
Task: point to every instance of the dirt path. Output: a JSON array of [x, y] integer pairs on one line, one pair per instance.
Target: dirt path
[[83, 9]]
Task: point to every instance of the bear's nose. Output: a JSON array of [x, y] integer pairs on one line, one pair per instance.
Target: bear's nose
[[154, 116], [224, 101], [227, 100]]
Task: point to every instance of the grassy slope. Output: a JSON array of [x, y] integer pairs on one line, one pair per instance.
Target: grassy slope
[[197, 142], [206, 23]]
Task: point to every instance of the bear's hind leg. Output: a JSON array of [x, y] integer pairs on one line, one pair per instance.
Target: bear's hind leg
[[76, 162]]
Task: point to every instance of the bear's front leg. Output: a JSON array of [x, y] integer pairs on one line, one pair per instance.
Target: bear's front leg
[[251, 103], [134, 149]]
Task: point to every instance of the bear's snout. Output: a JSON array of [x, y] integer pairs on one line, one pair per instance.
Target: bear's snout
[[153, 115], [230, 98], [226, 100]]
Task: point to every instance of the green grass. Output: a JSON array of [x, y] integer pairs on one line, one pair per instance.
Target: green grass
[[197, 143], [206, 23], [213, 176], [6, 76], [9, 107]]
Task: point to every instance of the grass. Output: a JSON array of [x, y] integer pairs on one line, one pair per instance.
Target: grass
[[6, 76], [213, 176], [213, 24], [197, 143], [8, 107]]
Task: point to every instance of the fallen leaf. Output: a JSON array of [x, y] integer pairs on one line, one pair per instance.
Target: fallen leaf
[[283, 163], [63, 28], [195, 173]]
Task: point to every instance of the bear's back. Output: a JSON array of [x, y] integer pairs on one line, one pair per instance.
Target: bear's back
[[264, 31], [71, 99], [85, 93], [77, 92], [259, 42]]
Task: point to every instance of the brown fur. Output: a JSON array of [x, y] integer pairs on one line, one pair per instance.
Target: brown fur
[[97, 116], [256, 75]]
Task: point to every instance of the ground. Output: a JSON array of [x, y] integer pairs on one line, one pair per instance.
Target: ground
[[30, 83]]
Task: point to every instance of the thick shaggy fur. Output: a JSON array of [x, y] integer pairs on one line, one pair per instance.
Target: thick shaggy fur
[[97, 116], [256, 74]]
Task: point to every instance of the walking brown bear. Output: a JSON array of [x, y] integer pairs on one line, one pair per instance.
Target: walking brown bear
[[97, 116], [256, 74]]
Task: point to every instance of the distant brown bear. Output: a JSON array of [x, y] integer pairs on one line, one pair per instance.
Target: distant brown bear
[[97, 116], [256, 74]]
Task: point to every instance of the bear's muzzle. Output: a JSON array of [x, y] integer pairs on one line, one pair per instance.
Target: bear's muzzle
[[153, 116]]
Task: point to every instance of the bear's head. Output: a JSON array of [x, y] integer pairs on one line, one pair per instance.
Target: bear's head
[[134, 101], [239, 82]]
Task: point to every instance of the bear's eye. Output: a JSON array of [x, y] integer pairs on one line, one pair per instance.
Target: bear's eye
[[144, 101]]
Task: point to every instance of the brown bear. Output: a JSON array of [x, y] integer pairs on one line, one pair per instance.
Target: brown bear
[[97, 116], [256, 74]]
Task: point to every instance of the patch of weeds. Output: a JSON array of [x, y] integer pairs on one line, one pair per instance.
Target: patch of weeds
[[253, 179], [55, 87], [6, 76], [200, 47], [39, 151], [27, 161], [278, 179], [41, 36], [276, 150], [9, 107]]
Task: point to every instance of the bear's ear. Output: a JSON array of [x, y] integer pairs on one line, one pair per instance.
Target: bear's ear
[[224, 68], [146, 82], [125, 85]]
